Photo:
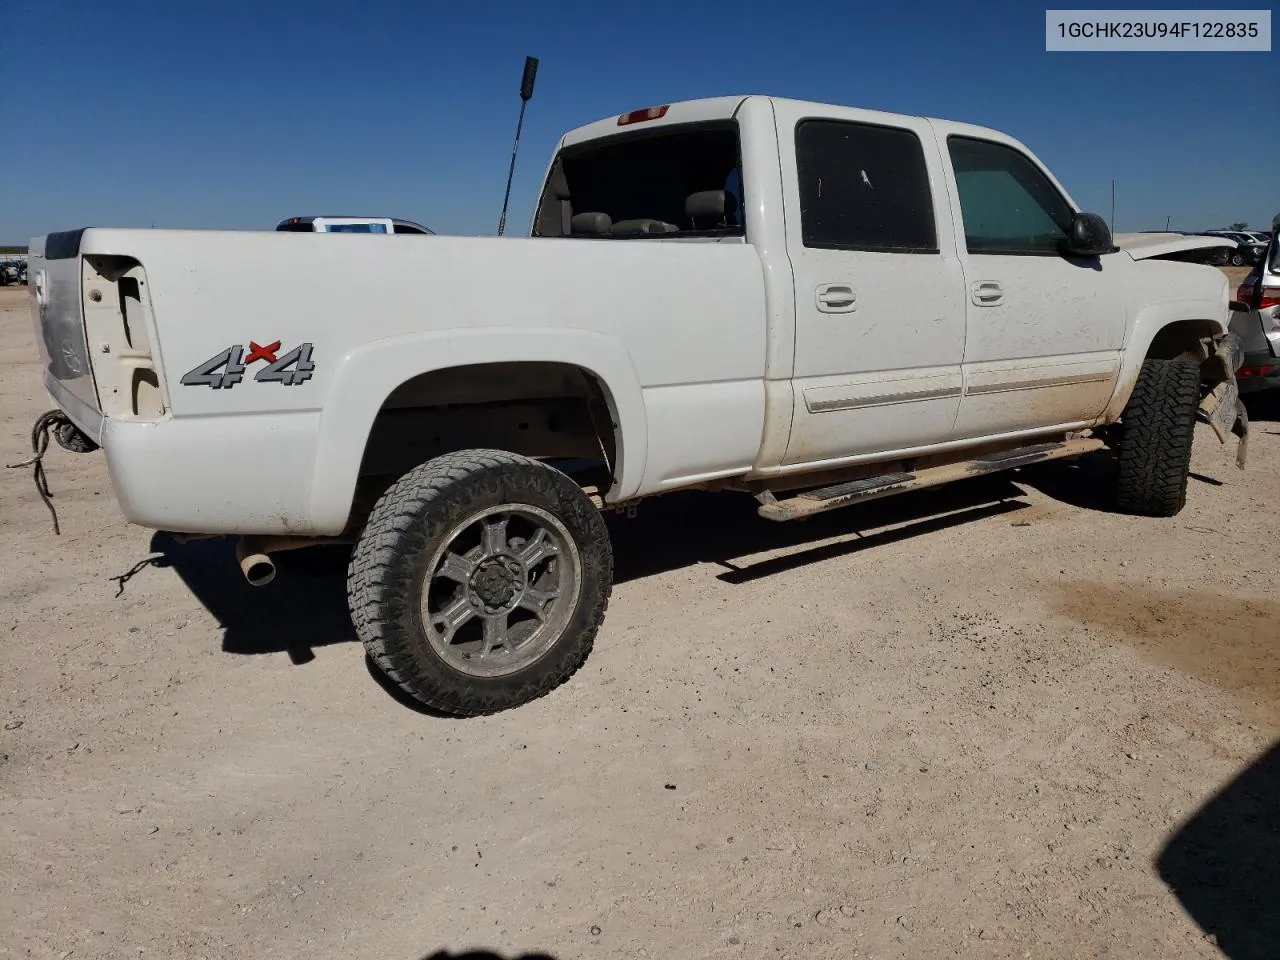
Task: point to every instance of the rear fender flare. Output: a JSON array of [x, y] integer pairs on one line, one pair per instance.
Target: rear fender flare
[[366, 377]]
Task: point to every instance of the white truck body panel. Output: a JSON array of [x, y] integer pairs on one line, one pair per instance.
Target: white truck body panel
[[717, 359]]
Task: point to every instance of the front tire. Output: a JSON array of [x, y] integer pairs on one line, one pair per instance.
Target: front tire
[[480, 580], [1157, 428]]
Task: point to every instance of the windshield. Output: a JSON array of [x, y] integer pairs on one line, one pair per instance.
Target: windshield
[[675, 181]]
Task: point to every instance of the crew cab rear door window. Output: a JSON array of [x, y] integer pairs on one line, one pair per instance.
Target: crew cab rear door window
[[863, 187], [1007, 204]]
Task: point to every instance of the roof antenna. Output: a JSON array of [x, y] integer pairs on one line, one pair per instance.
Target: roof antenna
[[526, 92]]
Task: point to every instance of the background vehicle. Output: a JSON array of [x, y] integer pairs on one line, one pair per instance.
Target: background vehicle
[[13, 271], [813, 304], [1259, 327], [332, 224], [1249, 249]]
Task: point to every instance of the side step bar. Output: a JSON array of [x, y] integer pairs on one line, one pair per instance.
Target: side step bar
[[871, 488]]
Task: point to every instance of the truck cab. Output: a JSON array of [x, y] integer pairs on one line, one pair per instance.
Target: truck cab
[[919, 274]]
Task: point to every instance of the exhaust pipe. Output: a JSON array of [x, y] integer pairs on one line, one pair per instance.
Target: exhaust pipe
[[254, 554], [258, 568]]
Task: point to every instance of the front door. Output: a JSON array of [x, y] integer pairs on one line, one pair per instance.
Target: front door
[[878, 286], [1044, 331]]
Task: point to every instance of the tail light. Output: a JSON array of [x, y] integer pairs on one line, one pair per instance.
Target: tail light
[[1261, 371], [118, 326], [1270, 296], [648, 113]]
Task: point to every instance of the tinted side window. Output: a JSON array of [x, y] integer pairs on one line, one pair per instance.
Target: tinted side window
[[863, 187], [1007, 204]]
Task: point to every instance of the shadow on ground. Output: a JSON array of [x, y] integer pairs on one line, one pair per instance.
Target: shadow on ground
[[306, 607], [1088, 482], [303, 608], [1224, 863], [1263, 408], [683, 529]]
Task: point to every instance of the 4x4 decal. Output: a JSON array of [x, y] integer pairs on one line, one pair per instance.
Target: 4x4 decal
[[226, 369]]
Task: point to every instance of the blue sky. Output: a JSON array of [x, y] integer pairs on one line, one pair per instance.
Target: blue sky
[[237, 114]]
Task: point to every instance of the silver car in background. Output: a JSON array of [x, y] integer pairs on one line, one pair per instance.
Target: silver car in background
[[1258, 326]]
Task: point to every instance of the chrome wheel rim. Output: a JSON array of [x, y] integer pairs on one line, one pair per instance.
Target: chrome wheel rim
[[500, 589]]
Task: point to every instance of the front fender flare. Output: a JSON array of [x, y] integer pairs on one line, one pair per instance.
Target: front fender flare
[[365, 377], [1153, 318]]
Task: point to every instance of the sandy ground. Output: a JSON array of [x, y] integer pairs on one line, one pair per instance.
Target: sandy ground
[[994, 721]]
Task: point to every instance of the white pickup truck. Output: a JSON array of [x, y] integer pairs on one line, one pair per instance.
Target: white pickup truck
[[816, 304]]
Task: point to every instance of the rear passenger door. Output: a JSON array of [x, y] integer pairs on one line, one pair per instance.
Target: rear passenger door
[[880, 315]]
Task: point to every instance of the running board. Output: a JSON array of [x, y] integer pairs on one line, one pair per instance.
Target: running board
[[871, 488]]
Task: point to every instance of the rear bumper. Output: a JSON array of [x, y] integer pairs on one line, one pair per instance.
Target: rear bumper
[[226, 474], [231, 475]]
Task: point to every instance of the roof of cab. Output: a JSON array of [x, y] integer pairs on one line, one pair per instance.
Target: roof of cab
[[724, 108], [680, 111]]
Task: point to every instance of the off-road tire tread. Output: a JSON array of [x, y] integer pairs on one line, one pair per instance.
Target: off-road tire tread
[[1155, 447], [398, 528]]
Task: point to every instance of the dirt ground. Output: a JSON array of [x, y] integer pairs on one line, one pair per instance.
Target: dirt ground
[[996, 721]]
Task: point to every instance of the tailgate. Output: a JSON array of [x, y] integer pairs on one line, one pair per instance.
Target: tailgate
[[58, 312]]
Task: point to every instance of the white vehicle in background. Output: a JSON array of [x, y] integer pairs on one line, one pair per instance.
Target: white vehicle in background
[[814, 304], [352, 225]]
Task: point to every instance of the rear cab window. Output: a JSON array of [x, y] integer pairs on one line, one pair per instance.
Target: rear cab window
[[671, 182], [1007, 204]]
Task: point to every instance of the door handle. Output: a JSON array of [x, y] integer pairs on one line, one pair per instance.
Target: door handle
[[987, 293], [837, 298]]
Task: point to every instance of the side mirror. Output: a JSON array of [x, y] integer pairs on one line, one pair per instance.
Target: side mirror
[[1088, 236]]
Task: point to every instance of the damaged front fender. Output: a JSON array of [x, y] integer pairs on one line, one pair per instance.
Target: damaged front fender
[[1222, 407]]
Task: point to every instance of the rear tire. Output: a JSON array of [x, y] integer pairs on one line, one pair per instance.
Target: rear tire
[[1158, 425], [480, 580]]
